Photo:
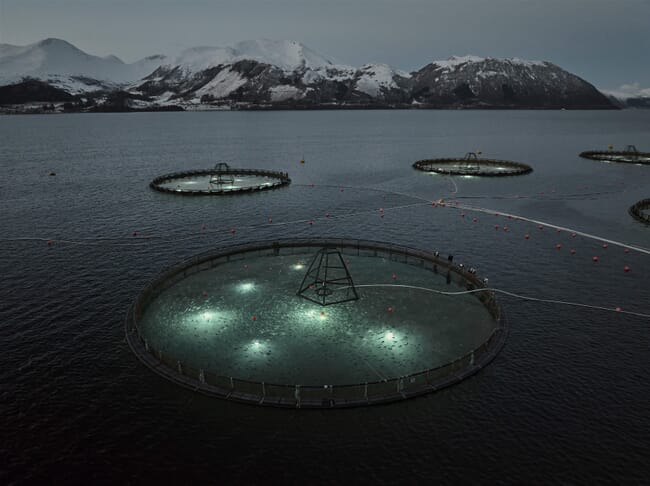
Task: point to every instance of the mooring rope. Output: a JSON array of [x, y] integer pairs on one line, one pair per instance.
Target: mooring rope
[[505, 292]]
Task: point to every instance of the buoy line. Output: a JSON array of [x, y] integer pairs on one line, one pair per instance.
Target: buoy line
[[425, 201], [551, 225], [505, 292]]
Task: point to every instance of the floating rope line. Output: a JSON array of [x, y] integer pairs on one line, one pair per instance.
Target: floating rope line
[[551, 225], [505, 292], [425, 201]]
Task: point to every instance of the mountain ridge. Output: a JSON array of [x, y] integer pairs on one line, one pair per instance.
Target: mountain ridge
[[270, 73]]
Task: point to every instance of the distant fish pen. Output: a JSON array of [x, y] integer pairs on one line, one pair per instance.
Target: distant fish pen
[[629, 156], [641, 211], [450, 369], [221, 180], [472, 165]]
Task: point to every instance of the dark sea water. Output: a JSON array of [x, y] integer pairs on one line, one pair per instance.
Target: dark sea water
[[567, 399]]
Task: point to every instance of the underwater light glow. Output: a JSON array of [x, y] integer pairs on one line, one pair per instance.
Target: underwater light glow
[[245, 287]]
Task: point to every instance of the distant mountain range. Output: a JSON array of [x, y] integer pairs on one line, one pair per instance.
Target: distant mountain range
[[266, 74]]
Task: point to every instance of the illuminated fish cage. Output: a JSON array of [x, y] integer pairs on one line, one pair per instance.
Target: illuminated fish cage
[[231, 323], [220, 180], [472, 165], [641, 211], [630, 155]]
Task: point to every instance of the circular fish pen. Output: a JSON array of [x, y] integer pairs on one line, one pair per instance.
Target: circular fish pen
[[628, 156], [472, 165], [321, 323], [220, 180], [641, 211]]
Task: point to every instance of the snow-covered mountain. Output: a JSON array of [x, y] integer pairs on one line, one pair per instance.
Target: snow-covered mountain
[[266, 73], [64, 66], [477, 81], [630, 95]]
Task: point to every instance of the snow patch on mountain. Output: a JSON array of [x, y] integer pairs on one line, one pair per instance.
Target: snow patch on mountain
[[374, 77], [287, 55], [224, 83], [285, 92]]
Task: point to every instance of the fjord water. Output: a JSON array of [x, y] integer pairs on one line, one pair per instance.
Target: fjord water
[[565, 400]]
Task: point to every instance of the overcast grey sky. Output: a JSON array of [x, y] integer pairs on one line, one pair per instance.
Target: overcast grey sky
[[605, 41]]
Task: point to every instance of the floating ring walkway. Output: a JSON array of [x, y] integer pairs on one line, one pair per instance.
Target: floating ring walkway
[[375, 341], [471, 165], [221, 180]]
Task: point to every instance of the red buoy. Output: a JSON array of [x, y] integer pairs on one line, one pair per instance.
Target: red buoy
[[626, 250], [604, 245], [527, 236], [232, 230], [618, 309], [49, 242], [626, 268], [390, 309], [505, 228], [558, 246], [573, 235], [595, 259], [327, 215], [573, 252], [558, 230], [270, 220], [135, 233], [541, 227], [462, 215], [310, 222], [475, 220], [254, 318], [496, 226], [433, 203], [394, 277]]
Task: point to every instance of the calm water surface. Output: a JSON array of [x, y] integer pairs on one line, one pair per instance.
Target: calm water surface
[[565, 401]]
